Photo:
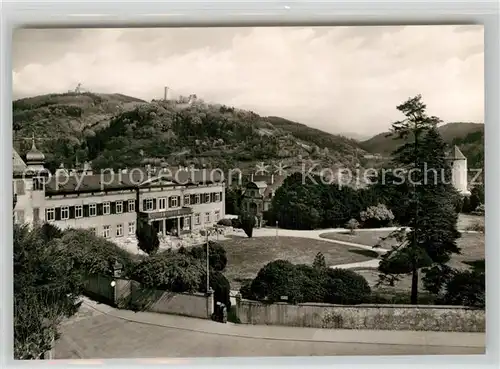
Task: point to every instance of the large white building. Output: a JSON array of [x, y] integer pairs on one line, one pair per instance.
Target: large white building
[[173, 201]]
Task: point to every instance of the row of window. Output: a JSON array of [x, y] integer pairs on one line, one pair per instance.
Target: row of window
[[106, 230], [197, 217], [91, 210], [163, 203]]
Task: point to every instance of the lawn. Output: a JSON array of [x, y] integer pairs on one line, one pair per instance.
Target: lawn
[[246, 256], [368, 238], [472, 250]]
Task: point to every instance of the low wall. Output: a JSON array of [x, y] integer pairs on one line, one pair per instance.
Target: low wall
[[198, 305], [129, 294], [376, 317]]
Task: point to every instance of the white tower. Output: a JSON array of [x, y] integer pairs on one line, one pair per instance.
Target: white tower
[[458, 164]]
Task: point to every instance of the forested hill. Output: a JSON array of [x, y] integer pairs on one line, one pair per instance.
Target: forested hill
[[118, 131], [469, 137]]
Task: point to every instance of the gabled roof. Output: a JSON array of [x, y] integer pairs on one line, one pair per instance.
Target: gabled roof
[[456, 154], [18, 164]]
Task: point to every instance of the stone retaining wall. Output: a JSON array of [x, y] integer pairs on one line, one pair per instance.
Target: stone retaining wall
[[376, 317]]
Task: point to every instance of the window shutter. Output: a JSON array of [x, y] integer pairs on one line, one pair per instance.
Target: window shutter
[[71, 212], [220, 196], [144, 205], [85, 210], [191, 199], [154, 204], [99, 209], [113, 207], [178, 201], [170, 202], [58, 214]]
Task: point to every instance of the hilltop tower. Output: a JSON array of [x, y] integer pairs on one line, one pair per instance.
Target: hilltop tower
[[458, 163]]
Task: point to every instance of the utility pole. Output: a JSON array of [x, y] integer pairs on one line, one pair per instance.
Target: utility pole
[[208, 261], [276, 233]]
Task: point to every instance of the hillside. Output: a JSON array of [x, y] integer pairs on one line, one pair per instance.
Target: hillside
[[119, 131], [468, 136]]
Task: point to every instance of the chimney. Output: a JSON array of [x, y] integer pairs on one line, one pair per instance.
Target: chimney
[[251, 177], [165, 94]]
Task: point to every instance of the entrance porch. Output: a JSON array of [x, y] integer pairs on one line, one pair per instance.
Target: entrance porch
[[171, 222]]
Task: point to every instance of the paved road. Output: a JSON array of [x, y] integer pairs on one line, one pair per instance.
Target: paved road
[[110, 333]]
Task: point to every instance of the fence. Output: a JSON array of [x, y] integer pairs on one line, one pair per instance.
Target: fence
[[376, 317], [129, 294]]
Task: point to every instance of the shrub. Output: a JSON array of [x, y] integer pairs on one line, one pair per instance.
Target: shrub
[[225, 222], [236, 223], [171, 272], [217, 255], [319, 261], [343, 286], [246, 291], [304, 283], [352, 225], [311, 283], [277, 279], [466, 288], [376, 216]]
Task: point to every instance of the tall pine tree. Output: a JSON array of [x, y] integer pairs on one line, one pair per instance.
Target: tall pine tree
[[432, 234]]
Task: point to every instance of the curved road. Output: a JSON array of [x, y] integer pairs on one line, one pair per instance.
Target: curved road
[[100, 331]]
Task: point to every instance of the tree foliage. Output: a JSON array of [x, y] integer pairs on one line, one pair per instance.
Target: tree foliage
[[376, 216], [147, 238], [247, 221], [94, 254], [217, 255], [171, 272], [46, 289], [432, 221]]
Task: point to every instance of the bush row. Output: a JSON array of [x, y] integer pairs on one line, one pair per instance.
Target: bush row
[[281, 280]]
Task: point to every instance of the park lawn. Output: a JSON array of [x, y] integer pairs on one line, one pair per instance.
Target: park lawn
[[367, 238], [246, 256], [472, 250]]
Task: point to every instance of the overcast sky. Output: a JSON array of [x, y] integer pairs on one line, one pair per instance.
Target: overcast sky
[[338, 79]]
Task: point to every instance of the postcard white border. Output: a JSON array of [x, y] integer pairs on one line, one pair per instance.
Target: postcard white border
[[231, 13]]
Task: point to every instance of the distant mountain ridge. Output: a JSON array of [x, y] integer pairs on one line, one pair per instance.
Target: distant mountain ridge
[[469, 137]]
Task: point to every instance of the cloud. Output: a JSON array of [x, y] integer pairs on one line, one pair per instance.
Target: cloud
[[342, 79]]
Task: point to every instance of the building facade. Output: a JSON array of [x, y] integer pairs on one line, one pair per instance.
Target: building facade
[[112, 204], [258, 194]]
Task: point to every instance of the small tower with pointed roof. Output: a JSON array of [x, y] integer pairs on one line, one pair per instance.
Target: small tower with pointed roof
[[458, 163], [35, 159]]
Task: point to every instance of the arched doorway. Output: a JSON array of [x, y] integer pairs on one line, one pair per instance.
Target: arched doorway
[[253, 208]]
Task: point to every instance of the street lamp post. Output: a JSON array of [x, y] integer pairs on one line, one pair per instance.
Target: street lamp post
[[208, 263]]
